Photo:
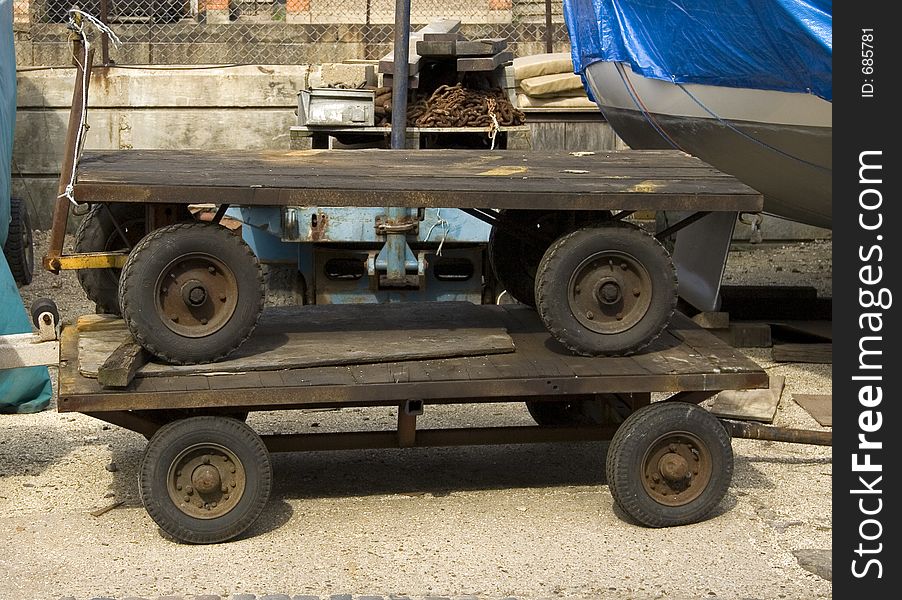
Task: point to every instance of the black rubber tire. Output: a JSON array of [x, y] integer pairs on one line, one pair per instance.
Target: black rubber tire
[[626, 454], [514, 260], [565, 256], [146, 262], [97, 233], [42, 305], [580, 411], [19, 246], [164, 448]]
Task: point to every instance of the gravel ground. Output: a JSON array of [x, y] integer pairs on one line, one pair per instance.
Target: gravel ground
[[527, 521]]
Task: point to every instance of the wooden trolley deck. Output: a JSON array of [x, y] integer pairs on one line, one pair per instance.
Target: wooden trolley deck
[[625, 180], [685, 358]]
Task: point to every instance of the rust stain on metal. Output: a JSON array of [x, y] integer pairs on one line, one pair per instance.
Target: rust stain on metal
[[318, 226]]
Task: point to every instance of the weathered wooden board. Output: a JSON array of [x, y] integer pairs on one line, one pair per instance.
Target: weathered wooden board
[[483, 47], [387, 62], [484, 63], [803, 353], [647, 179], [120, 367], [750, 405], [819, 406], [312, 336], [677, 361]]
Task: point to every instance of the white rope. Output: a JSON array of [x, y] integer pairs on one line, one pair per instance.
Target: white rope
[[76, 25], [496, 126], [439, 220]]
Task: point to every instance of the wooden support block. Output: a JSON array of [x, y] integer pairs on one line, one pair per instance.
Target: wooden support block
[[436, 48], [754, 405], [120, 367], [485, 47], [819, 406], [413, 82], [387, 62], [749, 335], [712, 320], [804, 353], [450, 36], [486, 63]]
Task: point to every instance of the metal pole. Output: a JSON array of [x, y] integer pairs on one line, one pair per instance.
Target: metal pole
[[549, 35], [104, 38], [400, 73], [396, 243], [70, 152]]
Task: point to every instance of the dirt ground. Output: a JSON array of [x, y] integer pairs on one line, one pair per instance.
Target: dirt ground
[[533, 521]]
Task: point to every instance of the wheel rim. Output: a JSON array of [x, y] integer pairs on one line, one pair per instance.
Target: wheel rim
[[610, 292], [676, 468], [206, 481], [196, 295]]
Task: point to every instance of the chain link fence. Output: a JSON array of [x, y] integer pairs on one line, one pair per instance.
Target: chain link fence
[[272, 31]]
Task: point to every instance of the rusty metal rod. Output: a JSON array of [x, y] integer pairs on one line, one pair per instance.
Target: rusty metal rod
[[756, 431], [549, 34], [70, 154]]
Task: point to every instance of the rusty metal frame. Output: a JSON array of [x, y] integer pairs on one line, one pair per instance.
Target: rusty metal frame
[[60, 220]]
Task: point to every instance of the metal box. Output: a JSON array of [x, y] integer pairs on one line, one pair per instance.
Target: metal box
[[331, 106]]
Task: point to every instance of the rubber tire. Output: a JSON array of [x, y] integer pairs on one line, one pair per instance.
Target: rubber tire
[[566, 254], [19, 246], [42, 305], [627, 451], [148, 259], [514, 262], [97, 233], [573, 411], [165, 446]]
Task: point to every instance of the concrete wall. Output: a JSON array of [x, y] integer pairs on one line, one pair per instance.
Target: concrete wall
[[241, 107]]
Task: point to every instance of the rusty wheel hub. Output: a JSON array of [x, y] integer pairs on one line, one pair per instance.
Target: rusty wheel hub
[[610, 292], [676, 468], [206, 481], [196, 295]]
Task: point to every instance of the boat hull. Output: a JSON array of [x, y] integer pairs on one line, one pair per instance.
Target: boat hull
[[776, 142]]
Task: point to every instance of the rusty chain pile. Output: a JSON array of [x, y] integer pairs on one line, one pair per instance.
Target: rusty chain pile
[[452, 106], [457, 106]]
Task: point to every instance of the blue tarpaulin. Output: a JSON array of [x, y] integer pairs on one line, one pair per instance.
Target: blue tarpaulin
[[784, 45], [27, 389]]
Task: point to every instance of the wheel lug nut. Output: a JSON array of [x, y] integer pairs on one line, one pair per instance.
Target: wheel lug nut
[[174, 318], [576, 289], [619, 317], [178, 486], [206, 459], [211, 269], [637, 292], [203, 321], [590, 315], [189, 489], [213, 504], [232, 470], [222, 297], [233, 483], [672, 447], [164, 289], [656, 478], [624, 266], [187, 498]]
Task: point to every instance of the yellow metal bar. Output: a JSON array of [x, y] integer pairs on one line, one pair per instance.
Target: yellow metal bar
[[91, 260]]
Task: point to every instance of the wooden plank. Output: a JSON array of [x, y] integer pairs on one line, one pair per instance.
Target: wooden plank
[[334, 334], [120, 367], [819, 406], [444, 178], [437, 48], [753, 405], [387, 62], [484, 63], [451, 36], [803, 353], [483, 47]]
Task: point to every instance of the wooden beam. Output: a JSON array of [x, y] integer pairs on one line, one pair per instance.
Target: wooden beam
[[120, 367], [485, 63]]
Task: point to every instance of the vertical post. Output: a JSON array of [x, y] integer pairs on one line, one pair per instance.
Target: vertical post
[[70, 155], [104, 38], [549, 34], [396, 243]]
